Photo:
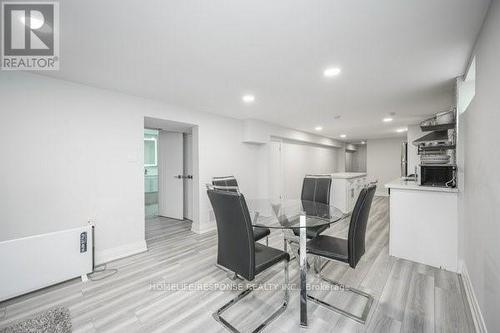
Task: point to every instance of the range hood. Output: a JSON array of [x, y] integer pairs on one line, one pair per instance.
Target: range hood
[[436, 138]]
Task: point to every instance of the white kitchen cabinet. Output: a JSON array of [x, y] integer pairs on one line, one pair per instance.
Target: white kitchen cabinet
[[346, 187], [423, 224]]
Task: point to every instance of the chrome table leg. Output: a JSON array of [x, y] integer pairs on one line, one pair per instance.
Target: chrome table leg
[[303, 271]]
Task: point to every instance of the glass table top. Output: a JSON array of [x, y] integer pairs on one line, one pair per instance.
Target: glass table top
[[285, 214]]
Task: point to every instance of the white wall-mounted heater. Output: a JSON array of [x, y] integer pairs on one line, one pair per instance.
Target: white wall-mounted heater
[[35, 262]]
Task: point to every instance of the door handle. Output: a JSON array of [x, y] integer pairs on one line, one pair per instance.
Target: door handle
[[178, 176]]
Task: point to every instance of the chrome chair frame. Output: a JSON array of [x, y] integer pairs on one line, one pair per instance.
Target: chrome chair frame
[[291, 239], [218, 314], [366, 310], [352, 258]]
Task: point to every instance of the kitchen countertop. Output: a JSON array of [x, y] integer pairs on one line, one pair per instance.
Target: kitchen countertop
[[412, 185], [348, 175]]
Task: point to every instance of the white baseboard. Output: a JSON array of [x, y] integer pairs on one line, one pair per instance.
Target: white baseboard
[[119, 252], [477, 316]]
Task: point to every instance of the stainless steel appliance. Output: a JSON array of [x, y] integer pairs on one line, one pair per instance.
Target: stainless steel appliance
[[435, 140], [437, 151], [404, 159], [437, 175]]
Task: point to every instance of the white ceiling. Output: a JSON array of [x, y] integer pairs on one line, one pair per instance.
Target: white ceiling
[[396, 56]]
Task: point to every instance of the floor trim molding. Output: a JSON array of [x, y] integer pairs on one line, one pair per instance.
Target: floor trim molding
[[119, 252], [477, 316]]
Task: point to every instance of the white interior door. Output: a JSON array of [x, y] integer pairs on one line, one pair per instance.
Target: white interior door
[[188, 176], [170, 172]]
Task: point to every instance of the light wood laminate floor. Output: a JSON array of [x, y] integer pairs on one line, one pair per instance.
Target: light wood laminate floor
[[409, 297]]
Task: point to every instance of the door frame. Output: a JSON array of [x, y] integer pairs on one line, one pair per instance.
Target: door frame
[[161, 123], [281, 168], [187, 145]]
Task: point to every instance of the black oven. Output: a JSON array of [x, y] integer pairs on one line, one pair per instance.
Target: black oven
[[438, 175]]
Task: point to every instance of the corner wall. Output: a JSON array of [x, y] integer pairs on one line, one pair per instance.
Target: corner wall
[[414, 132], [383, 161], [481, 199], [358, 159]]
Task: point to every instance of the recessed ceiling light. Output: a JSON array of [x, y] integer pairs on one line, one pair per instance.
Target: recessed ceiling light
[[343, 136], [248, 98], [363, 142], [318, 128], [387, 120], [331, 72], [401, 130]]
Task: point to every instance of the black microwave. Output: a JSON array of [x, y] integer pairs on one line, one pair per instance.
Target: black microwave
[[438, 175]]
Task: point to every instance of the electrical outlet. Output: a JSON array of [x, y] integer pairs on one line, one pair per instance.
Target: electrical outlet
[[83, 242]]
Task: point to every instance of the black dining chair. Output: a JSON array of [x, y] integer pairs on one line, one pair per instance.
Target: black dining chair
[[315, 189], [348, 250], [229, 183], [238, 252]]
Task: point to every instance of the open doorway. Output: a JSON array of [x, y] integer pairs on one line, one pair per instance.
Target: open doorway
[[169, 172]]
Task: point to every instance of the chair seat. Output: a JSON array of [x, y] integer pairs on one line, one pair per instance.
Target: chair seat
[[266, 257], [329, 247], [259, 233], [312, 232]]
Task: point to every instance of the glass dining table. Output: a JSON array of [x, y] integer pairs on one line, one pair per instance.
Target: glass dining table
[[289, 214]]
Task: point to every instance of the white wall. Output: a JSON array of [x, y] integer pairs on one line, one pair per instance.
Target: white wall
[[360, 158], [70, 154], [356, 160], [264, 135], [73, 153], [341, 160], [414, 132], [349, 161], [383, 161], [481, 199], [302, 159]]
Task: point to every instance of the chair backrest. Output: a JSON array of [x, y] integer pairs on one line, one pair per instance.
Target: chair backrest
[[236, 246], [228, 181], [316, 189], [357, 226]]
